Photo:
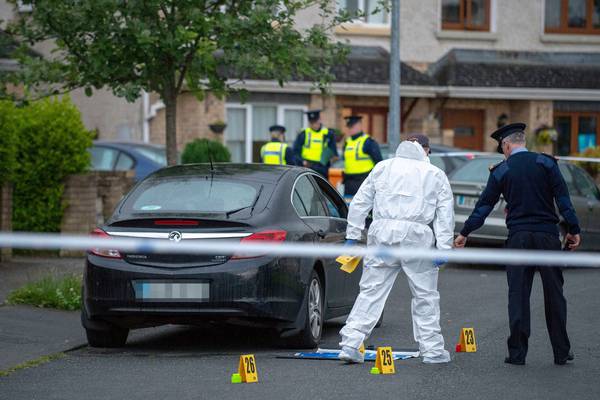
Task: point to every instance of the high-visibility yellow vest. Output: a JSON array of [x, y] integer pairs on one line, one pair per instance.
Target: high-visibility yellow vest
[[273, 153], [356, 161], [314, 143]]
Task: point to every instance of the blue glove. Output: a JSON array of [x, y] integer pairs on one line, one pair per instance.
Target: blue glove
[[350, 242], [440, 261]]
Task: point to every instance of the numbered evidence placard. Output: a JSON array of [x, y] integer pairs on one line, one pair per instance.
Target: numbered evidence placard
[[247, 368], [467, 340], [384, 360]]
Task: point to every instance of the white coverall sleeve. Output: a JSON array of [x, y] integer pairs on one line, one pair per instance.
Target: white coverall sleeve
[[443, 222], [360, 206]]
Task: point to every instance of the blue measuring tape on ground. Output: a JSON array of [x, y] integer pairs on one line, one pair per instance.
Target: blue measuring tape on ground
[[333, 354]]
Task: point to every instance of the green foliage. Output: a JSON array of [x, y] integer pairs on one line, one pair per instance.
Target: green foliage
[[52, 144], [197, 151], [8, 143], [593, 168], [63, 293], [161, 45]]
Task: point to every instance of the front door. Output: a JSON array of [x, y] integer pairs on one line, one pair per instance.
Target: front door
[[374, 121], [467, 126]]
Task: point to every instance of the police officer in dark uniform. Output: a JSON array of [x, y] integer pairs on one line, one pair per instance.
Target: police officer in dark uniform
[[276, 152], [314, 146], [361, 153], [531, 183]]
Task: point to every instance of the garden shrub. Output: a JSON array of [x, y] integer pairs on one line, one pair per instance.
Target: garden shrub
[[593, 168], [52, 143], [8, 149], [197, 151]]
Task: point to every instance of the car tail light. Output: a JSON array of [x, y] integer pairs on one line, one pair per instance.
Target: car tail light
[[271, 236], [109, 253]]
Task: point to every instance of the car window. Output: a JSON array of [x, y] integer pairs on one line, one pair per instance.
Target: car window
[[477, 170], [438, 161], [568, 177], [336, 207], [103, 158], [306, 199], [585, 184], [191, 194], [159, 156], [124, 162]]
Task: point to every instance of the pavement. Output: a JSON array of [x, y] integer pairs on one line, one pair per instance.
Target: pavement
[[196, 363]]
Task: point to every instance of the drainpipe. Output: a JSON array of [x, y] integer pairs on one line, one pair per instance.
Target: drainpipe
[[146, 119]]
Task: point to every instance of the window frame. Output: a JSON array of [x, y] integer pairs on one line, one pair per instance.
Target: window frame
[[328, 191], [317, 191], [575, 126], [279, 112], [365, 19], [564, 27], [465, 17]]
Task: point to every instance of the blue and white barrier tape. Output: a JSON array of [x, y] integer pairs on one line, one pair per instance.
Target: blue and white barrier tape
[[48, 241]]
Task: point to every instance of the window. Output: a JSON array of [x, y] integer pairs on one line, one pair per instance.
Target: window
[[198, 195], [576, 131], [585, 184], [565, 171], [124, 162], [373, 12], [473, 15], [248, 127], [306, 200], [336, 207], [476, 170], [103, 158], [572, 16]]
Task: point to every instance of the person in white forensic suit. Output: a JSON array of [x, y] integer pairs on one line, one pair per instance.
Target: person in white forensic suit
[[406, 194]]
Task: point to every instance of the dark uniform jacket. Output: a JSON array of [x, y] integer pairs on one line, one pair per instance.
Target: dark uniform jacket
[[531, 183]]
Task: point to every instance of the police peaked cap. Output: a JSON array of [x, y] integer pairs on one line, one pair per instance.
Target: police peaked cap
[[313, 115], [505, 131], [351, 120], [277, 128]]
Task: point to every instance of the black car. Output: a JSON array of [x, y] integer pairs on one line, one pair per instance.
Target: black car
[[232, 202]]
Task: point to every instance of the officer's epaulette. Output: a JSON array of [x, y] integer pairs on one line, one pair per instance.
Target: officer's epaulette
[[493, 167], [550, 156]]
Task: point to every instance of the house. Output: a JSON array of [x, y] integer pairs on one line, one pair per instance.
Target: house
[[467, 66]]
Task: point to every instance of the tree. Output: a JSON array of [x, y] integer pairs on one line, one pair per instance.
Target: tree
[[166, 46]]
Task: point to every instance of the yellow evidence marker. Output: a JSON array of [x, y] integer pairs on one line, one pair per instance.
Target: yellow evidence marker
[[384, 361], [247, 371], [467, 341], [349, 263]]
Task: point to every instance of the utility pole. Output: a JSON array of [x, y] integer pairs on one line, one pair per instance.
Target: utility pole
[[394, 99]]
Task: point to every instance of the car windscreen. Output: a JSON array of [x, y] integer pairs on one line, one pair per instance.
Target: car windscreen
[[184, 194], [157, 155], [477, 170]]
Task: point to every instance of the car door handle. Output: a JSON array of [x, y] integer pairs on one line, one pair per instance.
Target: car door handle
[[321, 233]]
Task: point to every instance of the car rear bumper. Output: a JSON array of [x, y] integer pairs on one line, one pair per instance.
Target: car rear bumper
[[492, 233], [260, 291]]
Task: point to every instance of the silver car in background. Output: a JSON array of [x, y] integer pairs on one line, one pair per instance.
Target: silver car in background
[[469, 180]]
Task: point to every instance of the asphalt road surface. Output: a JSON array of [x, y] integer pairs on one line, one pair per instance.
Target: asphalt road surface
[[196, 363]]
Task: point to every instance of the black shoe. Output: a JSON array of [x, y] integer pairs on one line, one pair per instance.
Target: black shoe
[[508, 360], [570, 357]]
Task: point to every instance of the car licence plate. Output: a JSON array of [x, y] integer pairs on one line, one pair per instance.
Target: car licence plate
[[171, 290], [466, 201]]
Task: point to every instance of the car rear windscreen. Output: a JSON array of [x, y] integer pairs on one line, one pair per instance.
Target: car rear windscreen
[[477, 170], [191, 195]]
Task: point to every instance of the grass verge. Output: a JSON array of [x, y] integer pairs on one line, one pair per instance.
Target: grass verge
[[32, 363], [63, 293]]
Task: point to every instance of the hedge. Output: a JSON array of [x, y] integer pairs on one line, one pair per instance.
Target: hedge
[[52, 143], [8, 143], [197, 151]]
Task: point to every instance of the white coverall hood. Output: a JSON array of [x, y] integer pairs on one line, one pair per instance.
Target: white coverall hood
[[406, 194]]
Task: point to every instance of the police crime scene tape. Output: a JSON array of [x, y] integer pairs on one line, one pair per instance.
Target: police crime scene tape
[[52, 241]]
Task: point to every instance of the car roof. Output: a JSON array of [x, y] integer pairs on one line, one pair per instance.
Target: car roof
[[124, 145], [256, 172]]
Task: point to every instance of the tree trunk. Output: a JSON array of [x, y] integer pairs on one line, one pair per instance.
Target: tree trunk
[[171, 128]]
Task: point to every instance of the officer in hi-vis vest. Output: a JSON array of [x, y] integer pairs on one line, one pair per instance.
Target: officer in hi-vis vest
[[276, 152], [315, 146], [361, 153]]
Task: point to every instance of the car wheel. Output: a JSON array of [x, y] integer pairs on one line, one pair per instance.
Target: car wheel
[[311, 333]]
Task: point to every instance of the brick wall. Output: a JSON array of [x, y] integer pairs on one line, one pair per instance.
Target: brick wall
[[5, 216], [193, 118], [90, 200]]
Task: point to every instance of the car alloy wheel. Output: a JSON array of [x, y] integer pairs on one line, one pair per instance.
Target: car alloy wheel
[[315, 308]]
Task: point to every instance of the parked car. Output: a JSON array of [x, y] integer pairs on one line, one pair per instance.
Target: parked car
[[469, 181], [444, 157], [237, 203], [144, 158]]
